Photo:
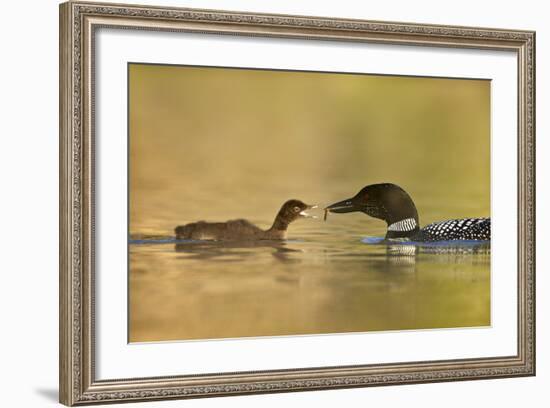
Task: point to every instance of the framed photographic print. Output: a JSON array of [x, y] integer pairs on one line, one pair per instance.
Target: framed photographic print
[[256, 203]]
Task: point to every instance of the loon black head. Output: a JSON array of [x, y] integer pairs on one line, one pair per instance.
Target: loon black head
[[385, 201]]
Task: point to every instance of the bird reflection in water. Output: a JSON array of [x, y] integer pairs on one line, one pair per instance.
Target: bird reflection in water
[[404, 256], [222, 250]]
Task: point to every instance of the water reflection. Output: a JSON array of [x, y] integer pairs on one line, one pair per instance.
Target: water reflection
[[450, 252], [205, 250], [395, 254]]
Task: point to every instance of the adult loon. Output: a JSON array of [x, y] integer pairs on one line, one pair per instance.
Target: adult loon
[[243, 230], [391, 203]]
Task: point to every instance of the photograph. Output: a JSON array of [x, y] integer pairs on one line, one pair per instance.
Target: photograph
[[267, 202]]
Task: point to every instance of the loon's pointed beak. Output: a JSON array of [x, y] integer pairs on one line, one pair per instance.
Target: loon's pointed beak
[[344, 206], [307, 215]]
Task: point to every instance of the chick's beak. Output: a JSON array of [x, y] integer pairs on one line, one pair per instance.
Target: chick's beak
[[303, 213]]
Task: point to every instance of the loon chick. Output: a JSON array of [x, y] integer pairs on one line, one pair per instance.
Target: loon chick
[[243, 230], [391, 203]]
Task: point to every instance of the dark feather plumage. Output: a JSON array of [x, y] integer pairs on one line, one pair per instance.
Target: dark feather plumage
[[467, 229]]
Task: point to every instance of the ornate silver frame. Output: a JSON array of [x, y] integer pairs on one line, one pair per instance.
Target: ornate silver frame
[[78, 22]]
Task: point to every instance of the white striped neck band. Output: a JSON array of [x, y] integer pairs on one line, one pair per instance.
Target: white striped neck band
[[408, 224]]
